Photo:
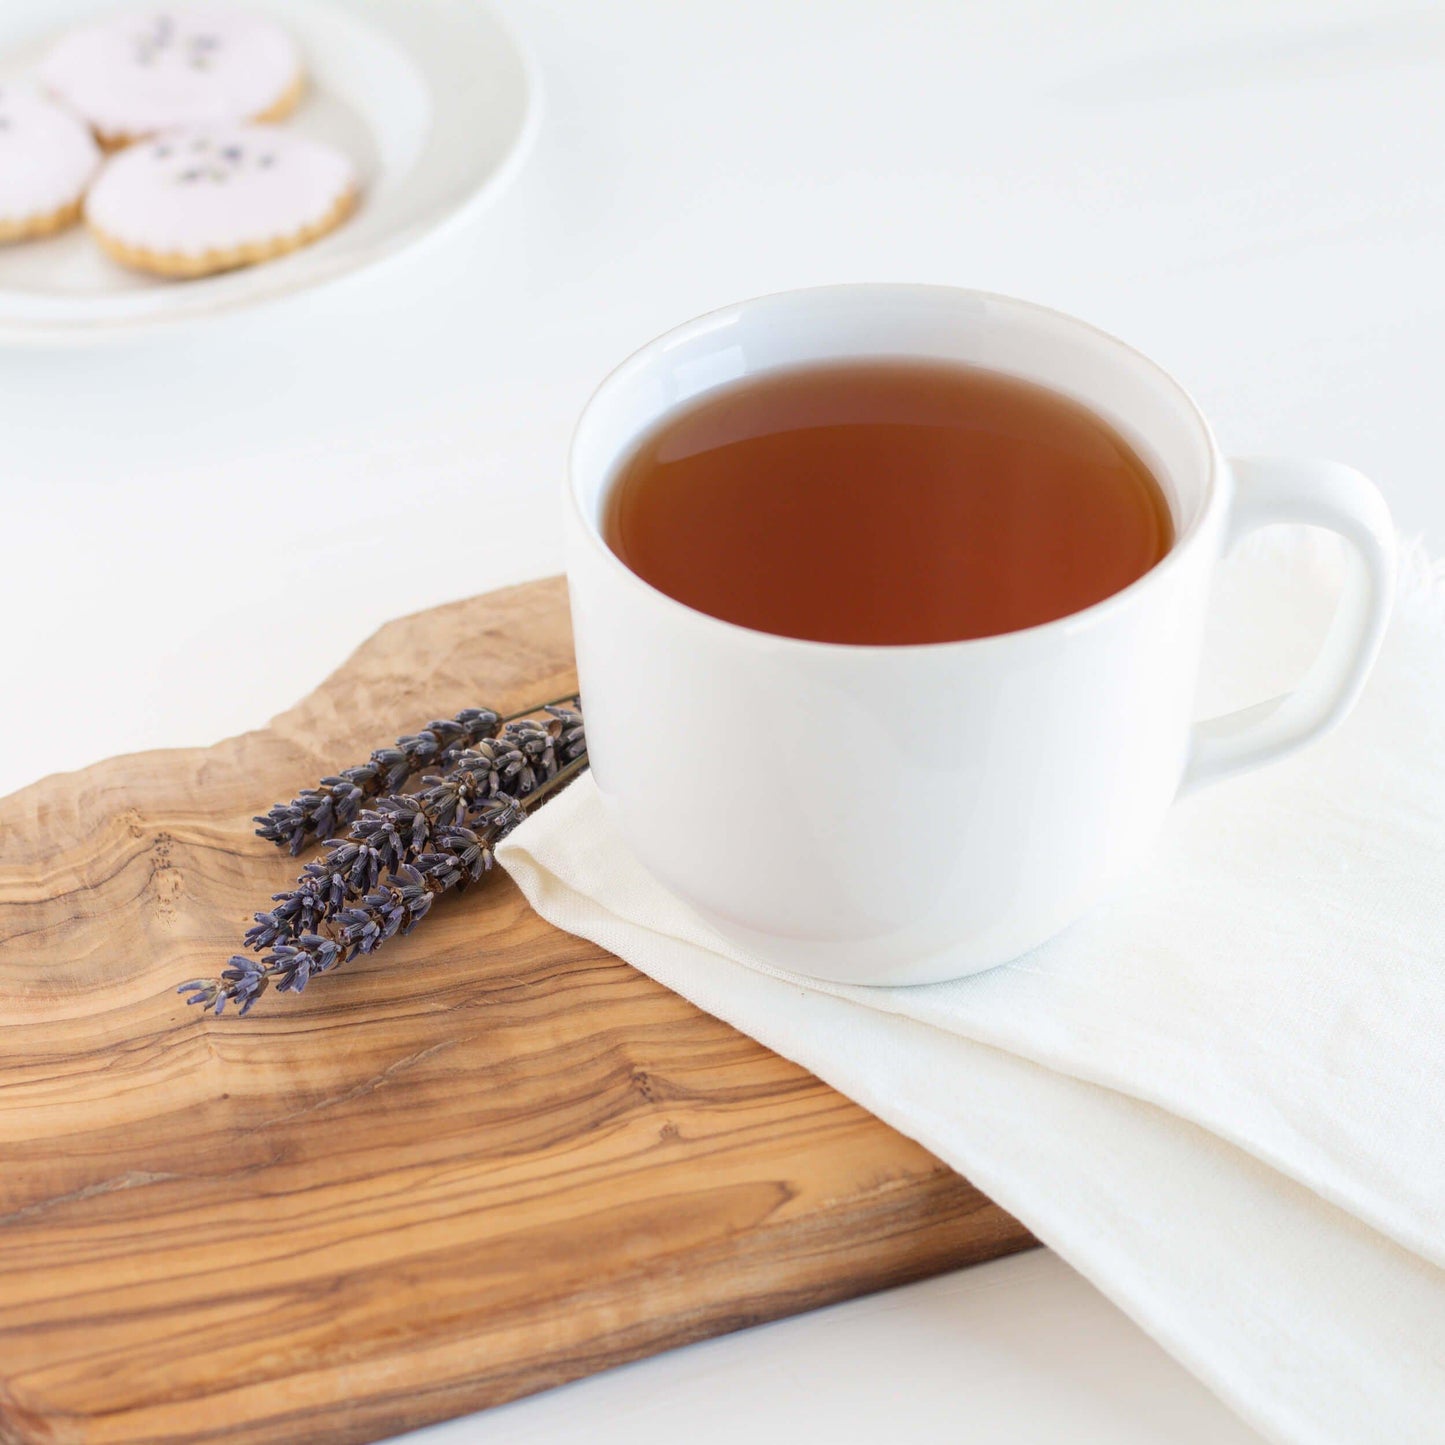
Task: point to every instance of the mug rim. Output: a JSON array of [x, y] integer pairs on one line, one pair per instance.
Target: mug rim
[[1187, 541]]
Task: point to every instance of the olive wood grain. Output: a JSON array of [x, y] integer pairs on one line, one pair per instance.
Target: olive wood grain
[[490, 1159]]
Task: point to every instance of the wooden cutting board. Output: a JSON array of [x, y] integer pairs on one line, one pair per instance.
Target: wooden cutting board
[[490, 1159]]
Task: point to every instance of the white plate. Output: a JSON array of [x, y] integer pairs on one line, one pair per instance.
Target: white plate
[[433, 99]]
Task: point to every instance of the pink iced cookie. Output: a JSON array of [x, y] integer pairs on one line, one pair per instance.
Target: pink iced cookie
[[47, 158], [145, 71], [190, 202]]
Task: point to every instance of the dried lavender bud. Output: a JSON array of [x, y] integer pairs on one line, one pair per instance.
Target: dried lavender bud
[[242, 981], [292, 964], [404, 827], [245, 980], [425, 844], [202, 990], [571, 735], [460, 857], [323, 811]]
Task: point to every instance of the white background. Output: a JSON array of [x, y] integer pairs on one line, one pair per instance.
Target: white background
[[198, 526]]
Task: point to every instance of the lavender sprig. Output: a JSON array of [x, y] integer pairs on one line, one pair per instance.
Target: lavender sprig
[[424, 844], [404, 826], [323, 811]]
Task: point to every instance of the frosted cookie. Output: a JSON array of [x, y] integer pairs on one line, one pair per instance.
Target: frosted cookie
[[47, 158], [187, 203], [135, 74]]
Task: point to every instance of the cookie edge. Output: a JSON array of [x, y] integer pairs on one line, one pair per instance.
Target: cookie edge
[[182, 265], [42, 223], [278, 110]]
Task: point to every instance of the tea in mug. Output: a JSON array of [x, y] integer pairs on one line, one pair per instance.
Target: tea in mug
[[887, 502]]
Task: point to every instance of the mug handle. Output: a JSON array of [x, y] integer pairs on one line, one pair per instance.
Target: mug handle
[[1317, 494]]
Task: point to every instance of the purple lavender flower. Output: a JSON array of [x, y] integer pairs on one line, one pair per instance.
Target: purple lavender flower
[[399, 857], [321, 812]]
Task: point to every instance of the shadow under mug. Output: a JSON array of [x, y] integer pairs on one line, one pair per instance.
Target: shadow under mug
[[900, 815]]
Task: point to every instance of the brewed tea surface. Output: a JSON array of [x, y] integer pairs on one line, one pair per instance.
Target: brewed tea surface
[[887, 502]]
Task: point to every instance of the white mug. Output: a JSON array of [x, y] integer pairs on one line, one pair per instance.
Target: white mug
[[900, 815]]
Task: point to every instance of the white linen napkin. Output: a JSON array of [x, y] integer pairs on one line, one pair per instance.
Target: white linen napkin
[[1221, 1095]]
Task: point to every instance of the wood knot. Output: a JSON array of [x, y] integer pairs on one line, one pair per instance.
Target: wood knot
[[167, 883]]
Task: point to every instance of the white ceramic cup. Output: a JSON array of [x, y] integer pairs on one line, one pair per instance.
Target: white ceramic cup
[[897, 815]]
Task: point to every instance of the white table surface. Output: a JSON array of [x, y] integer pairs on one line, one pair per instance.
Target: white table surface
[[198, 526]]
